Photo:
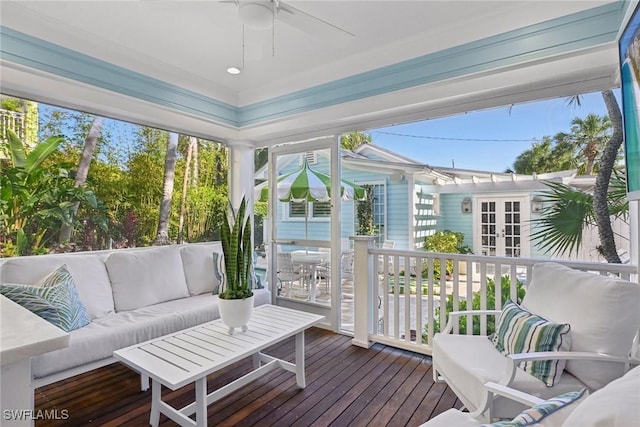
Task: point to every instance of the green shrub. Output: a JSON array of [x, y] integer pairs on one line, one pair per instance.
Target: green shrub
[[491, 305], [446, 241]]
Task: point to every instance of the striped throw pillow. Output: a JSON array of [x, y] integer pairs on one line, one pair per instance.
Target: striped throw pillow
[[519, 331], [54, 298], [551, 412]]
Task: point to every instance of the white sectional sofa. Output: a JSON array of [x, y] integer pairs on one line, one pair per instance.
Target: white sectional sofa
[[130, 295]]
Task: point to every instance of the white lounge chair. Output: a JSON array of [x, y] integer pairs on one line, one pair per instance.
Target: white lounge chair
[[604, 320]]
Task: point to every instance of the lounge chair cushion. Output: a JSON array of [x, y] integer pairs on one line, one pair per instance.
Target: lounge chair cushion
[[470, 370], [519, 331], [88, 272], [199, 268], [142, 278], [604, 316]]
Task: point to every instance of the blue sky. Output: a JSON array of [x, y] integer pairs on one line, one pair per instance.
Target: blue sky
[[525, 123]]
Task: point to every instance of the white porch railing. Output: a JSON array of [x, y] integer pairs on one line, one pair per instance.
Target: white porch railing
[[399, 301]]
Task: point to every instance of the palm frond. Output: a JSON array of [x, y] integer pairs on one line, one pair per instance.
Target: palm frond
[[560, 226]]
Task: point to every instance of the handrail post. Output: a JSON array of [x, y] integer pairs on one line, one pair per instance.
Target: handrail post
[[363, 282]]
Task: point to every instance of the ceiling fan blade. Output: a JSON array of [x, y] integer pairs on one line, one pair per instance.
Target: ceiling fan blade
[[312, 25]]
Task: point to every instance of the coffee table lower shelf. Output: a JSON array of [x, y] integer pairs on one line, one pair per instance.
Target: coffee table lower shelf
[[188, 356]]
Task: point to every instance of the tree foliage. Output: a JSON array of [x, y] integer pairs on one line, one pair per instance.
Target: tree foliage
[[36, 200], [580, 149], [125, 183], [569, 211], [352, 140]]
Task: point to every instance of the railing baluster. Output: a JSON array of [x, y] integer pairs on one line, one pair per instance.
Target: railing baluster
[[419, 326]]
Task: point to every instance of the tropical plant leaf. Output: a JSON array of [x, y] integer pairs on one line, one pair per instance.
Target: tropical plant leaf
[[18, 154], [41, 152], [21, 241], [560, 226]]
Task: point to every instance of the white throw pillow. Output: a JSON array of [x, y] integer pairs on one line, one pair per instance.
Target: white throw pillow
[[601, 310], [146, 277], [88, 271], [197, 260], [616, 405]]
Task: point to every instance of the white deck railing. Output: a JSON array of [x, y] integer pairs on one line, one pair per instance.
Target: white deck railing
[[403, 310]]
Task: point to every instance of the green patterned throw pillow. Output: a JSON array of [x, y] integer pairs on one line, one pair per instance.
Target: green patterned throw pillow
[[54, 298], [519, 331], [549, 412]]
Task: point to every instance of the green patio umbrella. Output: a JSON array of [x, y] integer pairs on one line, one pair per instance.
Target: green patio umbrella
[[308, 185]]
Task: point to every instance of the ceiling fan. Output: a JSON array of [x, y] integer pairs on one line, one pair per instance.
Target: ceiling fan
[[262, 14]]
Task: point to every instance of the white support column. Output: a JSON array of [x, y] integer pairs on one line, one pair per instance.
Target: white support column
[[241, 170], [363, 282]]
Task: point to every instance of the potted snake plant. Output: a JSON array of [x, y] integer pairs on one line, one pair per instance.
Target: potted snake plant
[[236, 297]]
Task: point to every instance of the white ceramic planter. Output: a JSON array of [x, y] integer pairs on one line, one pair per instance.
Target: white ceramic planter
[[235, 313]]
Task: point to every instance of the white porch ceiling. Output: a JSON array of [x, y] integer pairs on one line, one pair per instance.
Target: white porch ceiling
[[163, 63]]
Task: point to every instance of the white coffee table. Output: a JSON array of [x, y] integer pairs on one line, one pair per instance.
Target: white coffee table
[[188, 356]]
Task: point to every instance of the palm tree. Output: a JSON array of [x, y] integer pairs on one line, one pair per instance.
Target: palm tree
[[559, 229], [162, 236], [561, 225], [90, 143], [591, 134], [601, 190]]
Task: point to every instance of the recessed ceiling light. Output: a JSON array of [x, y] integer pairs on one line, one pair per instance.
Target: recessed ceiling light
[[233, 70]]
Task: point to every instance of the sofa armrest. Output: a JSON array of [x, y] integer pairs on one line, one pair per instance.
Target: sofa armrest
[[517, 359], [454, 315]]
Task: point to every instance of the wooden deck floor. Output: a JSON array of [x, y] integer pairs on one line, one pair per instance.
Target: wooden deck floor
[[346, 385]]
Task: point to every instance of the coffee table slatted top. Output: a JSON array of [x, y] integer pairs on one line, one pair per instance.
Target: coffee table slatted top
[[180, 358]]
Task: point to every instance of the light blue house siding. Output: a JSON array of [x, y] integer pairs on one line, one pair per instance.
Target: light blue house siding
[[395, 205], [452, 218]]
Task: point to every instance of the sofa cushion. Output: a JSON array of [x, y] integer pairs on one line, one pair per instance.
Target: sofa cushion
[[54, 298], [550, 413], [102, 337], [142, 278], [468, 371], [519, 331], [88, 272], [616, 405], [601, 310], [197, 260]]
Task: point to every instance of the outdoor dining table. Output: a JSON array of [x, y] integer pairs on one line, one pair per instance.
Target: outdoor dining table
[[311, 260]]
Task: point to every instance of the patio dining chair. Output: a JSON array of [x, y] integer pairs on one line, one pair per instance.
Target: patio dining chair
[[287, 274]]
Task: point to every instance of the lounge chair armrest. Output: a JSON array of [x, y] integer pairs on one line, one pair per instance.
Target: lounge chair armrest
[[494, 389], [454, 315], [570, 355], [513, 394], [517, 359]]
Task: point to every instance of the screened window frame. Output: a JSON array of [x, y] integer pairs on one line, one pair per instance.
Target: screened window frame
[[311, 212]]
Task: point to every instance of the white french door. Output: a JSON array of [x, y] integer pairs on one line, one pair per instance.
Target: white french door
[[499, 226]]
